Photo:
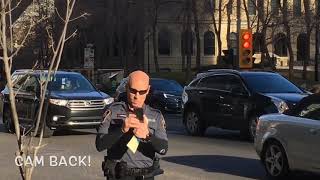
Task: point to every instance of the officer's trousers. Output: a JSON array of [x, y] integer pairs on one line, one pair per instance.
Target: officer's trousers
[[132, 178]]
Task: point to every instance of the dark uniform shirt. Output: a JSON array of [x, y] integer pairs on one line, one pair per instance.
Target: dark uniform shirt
[[113, 142]]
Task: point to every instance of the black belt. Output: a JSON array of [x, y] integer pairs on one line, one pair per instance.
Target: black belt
[[139, 171]]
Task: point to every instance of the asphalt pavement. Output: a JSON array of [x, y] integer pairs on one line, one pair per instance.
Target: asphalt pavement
[[219, 155]]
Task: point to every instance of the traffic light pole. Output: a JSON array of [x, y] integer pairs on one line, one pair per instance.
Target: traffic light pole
[[236, 60]]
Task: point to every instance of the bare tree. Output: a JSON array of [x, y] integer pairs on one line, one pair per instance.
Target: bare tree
[[28, 145], [285, 21], [196, 29], [309, 28]]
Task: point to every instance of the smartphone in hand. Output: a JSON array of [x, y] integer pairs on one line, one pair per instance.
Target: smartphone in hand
[[139, 114]]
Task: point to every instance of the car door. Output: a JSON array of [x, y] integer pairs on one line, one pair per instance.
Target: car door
[[210, 96], [30, 99], [234, 105], [304, 137]]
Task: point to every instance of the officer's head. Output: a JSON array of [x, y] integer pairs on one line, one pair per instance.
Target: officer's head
[[137, 88]]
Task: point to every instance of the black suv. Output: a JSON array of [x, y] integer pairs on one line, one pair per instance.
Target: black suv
[[73, 102], [232, 99]]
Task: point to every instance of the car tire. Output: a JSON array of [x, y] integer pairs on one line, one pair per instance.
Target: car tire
[[7, 121], [47, 132], [275, 161], [194, 125]]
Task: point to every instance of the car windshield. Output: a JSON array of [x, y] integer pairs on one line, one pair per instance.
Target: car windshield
[[165, 85], [70, 82], [270, 83]]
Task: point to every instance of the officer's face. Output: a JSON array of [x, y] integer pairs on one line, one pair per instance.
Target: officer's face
[[137, 91]]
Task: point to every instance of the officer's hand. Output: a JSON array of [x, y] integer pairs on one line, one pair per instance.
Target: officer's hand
[[143, 130], [130, 122]]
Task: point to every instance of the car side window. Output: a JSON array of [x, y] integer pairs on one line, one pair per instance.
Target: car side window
[[311, 111], [19, 81], [194, 83], [233, 84], [213, 82], [30, 85]]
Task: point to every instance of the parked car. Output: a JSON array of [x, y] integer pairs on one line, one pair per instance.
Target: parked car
[[233, 99], [290, 141], [73, 102], [165, 95]]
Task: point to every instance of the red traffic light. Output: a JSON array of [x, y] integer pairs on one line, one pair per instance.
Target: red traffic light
[[246, 45], [246, 36]]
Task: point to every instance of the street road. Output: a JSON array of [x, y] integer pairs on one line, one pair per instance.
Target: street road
[[218, 155]]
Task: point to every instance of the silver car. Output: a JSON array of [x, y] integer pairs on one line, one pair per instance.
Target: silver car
[[290, 141]]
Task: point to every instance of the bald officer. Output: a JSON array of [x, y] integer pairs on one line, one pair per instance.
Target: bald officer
[[132, 134]]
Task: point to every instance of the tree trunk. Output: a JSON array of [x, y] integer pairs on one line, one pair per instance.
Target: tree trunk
[[196, 24], [189, 41], [287, 28], [306, 4], [316, 65], [229, 11]]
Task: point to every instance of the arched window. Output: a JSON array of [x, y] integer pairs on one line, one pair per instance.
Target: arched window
[[280, 45], [164, 42], [209, 43], [297, 7], [185, 36], [302, 46]]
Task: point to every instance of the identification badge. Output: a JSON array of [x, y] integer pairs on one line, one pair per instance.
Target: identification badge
[[133, 144]]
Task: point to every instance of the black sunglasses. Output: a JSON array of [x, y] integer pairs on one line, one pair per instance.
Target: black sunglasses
[[134, 91]]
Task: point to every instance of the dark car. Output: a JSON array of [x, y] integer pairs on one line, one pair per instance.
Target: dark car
[[232, 99], [73, 102], [165, 95]]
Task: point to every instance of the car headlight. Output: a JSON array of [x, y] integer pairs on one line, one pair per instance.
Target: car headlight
[[281, 105], [59, 102], [108, 101], [168, 95]]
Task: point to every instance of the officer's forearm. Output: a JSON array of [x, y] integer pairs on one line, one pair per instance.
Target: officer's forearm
[[115, 137], [159, 145]]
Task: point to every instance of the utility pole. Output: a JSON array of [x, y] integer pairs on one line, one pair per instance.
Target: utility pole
[[236, 63]]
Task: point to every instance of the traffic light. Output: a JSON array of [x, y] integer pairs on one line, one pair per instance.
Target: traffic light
[[245, 49]]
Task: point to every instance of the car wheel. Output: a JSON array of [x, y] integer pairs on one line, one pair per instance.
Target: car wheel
[[7, 121], [193, 124], [275, 161], [47, 132]]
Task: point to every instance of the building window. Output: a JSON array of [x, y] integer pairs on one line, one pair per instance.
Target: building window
[[302, 46], [280, 45], [275, 6], [297, 7], [209, 43], [184, 42], [164, 42], [252, 7]]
